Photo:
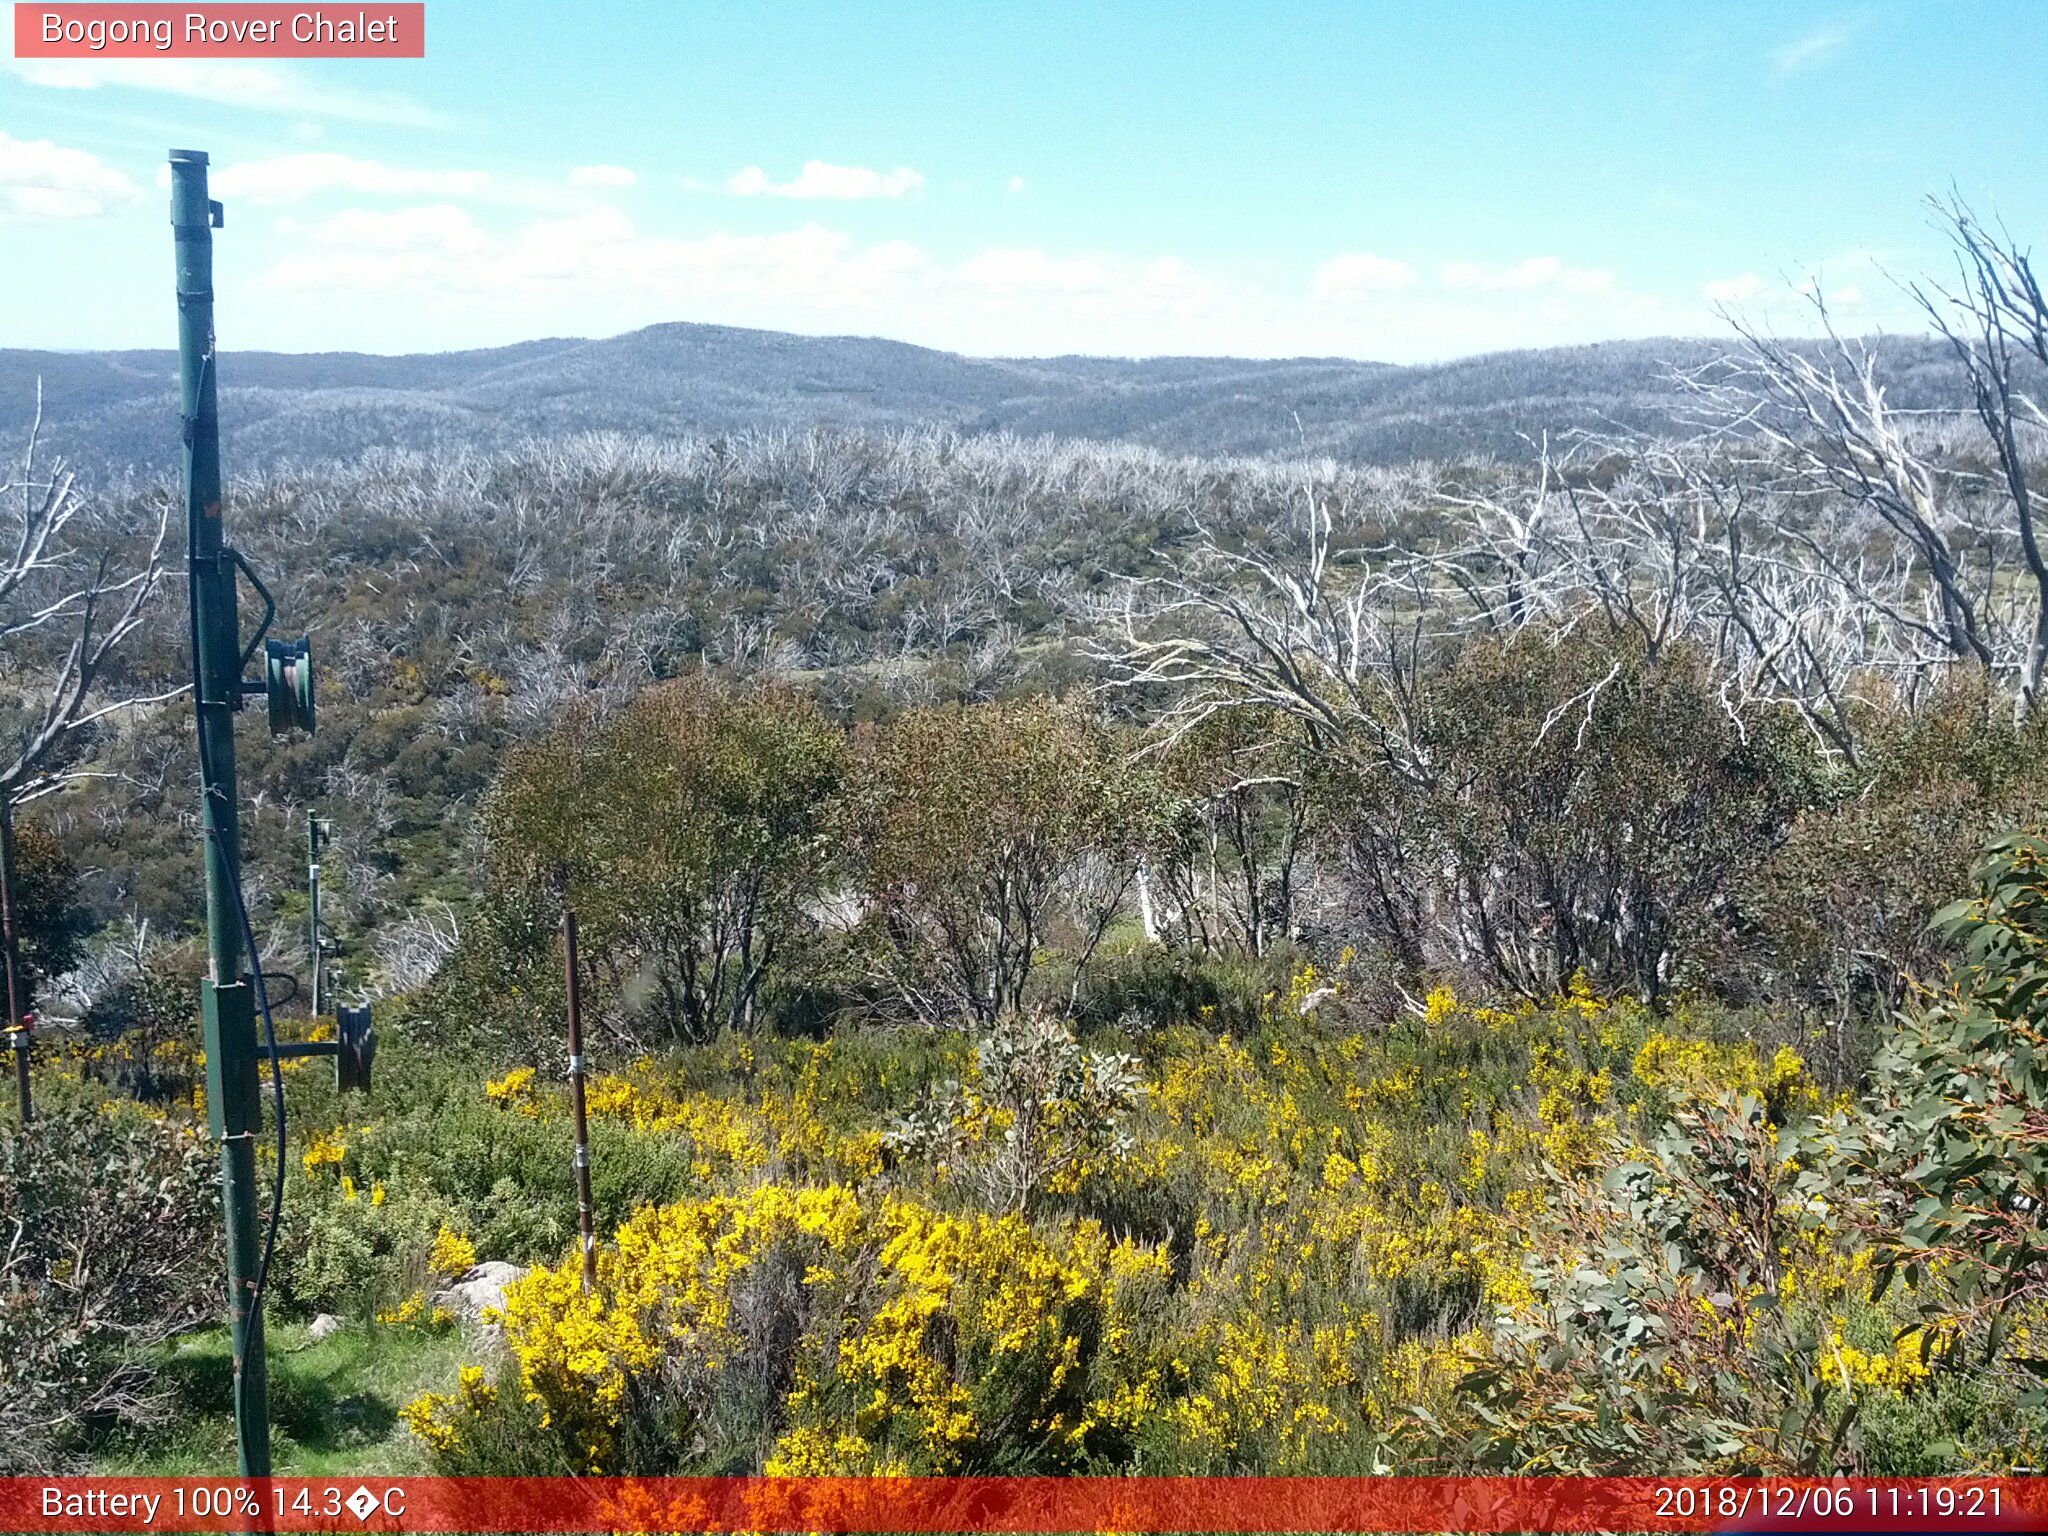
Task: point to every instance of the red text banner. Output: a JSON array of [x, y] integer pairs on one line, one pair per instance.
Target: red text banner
[[865, 1505], [232, 31]]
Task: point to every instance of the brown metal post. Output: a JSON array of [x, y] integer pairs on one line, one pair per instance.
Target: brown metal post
[[17, 1032], [583, 1216]]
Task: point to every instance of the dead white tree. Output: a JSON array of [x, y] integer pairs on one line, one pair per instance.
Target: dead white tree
[[1329, 639], [1994, 319], [73, 587], [1975, 574], [410, 951]]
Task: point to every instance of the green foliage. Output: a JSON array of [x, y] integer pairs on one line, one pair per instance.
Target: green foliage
[[1035, 1106], [358, 1251], [980, 836], [1140, 986], [686, 833], [1663, 1334], [51, 920], [1589, 809], [1965, 1081], [1227, 860], [113, 1246], [1837, 918], [145, 1024]]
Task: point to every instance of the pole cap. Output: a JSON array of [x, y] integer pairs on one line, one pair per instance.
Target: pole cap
[[188, 157]]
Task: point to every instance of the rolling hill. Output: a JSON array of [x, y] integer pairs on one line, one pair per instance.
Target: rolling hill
[[117, 410]]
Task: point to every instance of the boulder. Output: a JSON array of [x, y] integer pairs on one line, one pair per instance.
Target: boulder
[[479, 1290], [325, 1326]]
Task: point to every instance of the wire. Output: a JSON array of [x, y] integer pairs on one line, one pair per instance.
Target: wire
[[234, 880], [276, 1090]]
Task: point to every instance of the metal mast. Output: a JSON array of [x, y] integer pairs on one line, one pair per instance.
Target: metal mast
[[234, 1107]]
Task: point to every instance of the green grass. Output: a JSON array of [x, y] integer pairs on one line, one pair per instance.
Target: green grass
[[333, 1405]]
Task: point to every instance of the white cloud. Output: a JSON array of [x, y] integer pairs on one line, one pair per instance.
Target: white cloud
[[1814, 47], [291, 178], [1033, 271], [439, 227], [1747, 288], [229, 82], [601, 176], [1734, 290], [596, 270], [1836, 295], [1016, 184], [1004, 281], [1536, 272], [1361, 272], [596, 254], [42, 180], [1584, 280], [818, 179], [449, 273]]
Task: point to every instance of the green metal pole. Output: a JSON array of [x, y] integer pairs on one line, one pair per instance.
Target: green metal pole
[[234, 1107]]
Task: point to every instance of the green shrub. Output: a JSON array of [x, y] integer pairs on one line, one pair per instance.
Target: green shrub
[[52, 921], [1837, 919], [687, 834], [358, 1251], [1663, 1334], [1586, 810], [1965, 1088], [114, 1246], [146, 1024], [985, 838], [1035, 1107]]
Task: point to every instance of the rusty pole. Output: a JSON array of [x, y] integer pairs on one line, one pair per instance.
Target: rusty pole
[[17, 1027], [576, 1104]]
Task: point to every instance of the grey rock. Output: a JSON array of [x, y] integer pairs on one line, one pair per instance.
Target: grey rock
[[479, 1290], [325, 1326]]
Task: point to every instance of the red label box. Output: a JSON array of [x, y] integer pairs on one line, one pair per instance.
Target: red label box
[[1013, 1506], [371, 30]]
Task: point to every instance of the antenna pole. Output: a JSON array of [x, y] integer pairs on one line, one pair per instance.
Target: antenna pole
[[316, 834], [233, 1102], [584, 1221]]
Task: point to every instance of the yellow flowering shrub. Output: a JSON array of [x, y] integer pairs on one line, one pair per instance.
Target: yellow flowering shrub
[[414, 1313], [434, 1416], [452, 1253], [1702, 1069], [726, 1137], [515, 1090], [1314, 1238], [1903, 1366], [326, 1148], [917, 1332]]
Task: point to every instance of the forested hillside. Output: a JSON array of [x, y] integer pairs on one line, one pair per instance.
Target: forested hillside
[[118, 409]]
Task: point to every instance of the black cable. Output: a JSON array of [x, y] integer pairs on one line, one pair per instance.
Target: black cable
[[276, 1088], [234, 877]]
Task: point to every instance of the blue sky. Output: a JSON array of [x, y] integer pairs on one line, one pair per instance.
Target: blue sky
[[1397, 181]]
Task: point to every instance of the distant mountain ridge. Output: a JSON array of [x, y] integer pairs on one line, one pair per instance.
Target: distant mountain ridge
[[117, 410]]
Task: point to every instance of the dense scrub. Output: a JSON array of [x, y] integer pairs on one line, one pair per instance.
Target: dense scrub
[[1287, 1230], [1574, 1236], [112, 1221]]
